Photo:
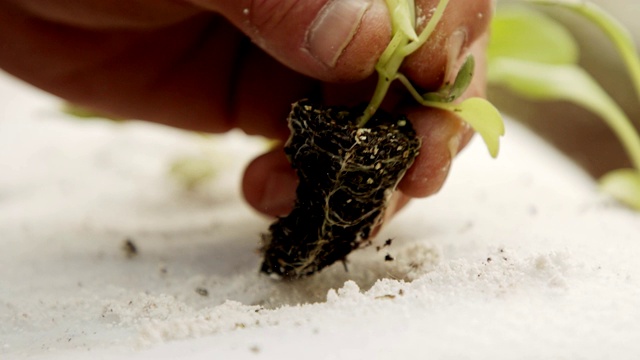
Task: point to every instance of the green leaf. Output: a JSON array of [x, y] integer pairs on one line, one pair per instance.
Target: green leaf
[[540, 81], [616, 32], [485, 119], [522, 33], [624, 185], [459, 86], [535, 57]]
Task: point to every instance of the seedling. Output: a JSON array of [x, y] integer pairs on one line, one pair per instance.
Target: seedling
[[483, 117], [349, 161], [536, 57]]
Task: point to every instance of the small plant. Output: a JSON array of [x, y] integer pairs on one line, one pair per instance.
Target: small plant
[[193, 170], [349, 161], [483, 117], [536, 57]]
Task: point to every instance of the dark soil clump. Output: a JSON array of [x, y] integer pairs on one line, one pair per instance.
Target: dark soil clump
[[346, 176]]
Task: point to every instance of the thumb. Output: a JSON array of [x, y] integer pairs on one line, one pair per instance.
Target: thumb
[[330, 40]]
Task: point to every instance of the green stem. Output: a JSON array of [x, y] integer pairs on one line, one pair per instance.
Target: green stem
[[399, 48], [382, 87], [420, 99], [428, 30], [389, 52], [449, 106]]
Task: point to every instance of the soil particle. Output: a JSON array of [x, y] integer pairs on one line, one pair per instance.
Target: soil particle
[[129, 248], [202, 291]]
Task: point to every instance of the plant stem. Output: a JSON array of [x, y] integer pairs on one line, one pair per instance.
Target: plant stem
[[431, 25], [400, 47]]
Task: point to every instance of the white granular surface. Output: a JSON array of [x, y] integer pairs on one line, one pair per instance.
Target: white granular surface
[[516, 258]]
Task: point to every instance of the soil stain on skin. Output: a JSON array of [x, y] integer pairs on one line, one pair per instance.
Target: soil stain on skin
[[346, 176]]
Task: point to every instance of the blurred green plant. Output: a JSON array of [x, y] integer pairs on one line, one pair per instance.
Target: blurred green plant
[[82, 112], [481, 115], [193, 171], [536, 57]]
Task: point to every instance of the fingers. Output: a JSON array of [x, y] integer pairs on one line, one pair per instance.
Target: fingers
[[107, 14], [443, 135], [269, 184], [200, 74], [263, 93], [161, 75], [340, 40], [330, 40]]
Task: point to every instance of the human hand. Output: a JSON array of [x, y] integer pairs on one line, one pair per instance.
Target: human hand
[[189, 64]]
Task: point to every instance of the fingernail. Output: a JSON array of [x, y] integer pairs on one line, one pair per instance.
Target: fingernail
[[279, 193], [455, 47], [333, 29]]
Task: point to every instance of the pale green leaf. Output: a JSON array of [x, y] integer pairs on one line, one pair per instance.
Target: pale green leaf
[[611, 27], [522, 33], [485, 119], [536, 57], [570, 83], [193, 171], [540, 81], [459, 86], [624, 185]]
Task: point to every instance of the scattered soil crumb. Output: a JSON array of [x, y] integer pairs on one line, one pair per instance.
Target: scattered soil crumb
[[387, 296], [387, 243], [130, 249], [202, 291]]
